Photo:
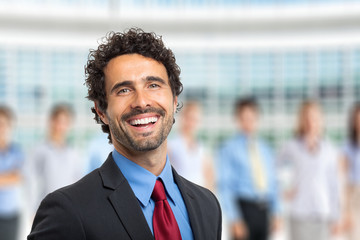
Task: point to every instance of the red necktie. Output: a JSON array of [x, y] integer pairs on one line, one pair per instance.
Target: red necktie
[[164, 222]]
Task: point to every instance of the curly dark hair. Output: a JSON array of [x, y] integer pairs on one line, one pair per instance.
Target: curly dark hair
[[114, 44], [60, 108], [246, 102], [353, 131], [7, 113]]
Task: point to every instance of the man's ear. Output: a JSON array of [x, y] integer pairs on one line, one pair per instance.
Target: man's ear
[[102, 115]]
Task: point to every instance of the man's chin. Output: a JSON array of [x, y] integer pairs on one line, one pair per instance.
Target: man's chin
[[145, 146], [147, 134], [145, 142]]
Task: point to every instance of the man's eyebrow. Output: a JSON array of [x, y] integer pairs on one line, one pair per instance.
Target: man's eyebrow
[[121, 84], [156, 79], [130, 83]]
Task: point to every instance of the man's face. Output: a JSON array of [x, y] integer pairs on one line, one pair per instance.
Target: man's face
[[357, 122], [60, 125], [191, 118], [141, 105], [248, 120], [313, 121]]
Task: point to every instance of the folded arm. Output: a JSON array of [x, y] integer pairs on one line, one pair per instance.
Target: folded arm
[[9, 178]]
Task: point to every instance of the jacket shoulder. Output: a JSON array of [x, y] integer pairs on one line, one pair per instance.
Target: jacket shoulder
[[198, 191], [57, 219], [205, 208], [71, 212]]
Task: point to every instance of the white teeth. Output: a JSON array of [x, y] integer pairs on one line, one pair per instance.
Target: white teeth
[[143, 121]]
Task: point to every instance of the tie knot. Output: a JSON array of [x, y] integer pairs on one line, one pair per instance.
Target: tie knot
[[158, 193]]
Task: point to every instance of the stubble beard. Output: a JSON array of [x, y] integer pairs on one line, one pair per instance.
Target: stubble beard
[[123, 136]]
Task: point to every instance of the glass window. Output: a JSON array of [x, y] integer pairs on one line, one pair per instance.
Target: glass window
[[295, 68], [262, 70], [330, 70], [356, 67]]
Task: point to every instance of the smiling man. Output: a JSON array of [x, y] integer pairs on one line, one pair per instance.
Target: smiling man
[[133, 80]]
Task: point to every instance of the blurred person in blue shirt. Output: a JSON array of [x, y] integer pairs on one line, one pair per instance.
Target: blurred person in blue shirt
[[11, 160], [98, 150], [351, 152], [247, 184]]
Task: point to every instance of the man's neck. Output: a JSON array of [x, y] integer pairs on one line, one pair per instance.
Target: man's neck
[[57, 140], [248, 134], [153, 161], [4, 144]]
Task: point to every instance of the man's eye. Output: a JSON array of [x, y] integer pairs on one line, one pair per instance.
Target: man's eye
[[124, 90], [153, 85]]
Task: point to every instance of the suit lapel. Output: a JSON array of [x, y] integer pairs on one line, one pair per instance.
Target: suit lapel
[[191, 206], [124, 201]]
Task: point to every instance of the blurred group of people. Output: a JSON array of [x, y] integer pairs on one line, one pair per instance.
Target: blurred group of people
[[315, 183], [308, 188]]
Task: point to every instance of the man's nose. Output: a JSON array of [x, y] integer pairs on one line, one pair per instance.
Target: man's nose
[[141, 100]]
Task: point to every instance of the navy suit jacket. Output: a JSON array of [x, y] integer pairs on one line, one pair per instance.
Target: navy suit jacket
[[102, 206]]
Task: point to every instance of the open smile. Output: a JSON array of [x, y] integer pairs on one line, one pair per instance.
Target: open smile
[[143, 121]]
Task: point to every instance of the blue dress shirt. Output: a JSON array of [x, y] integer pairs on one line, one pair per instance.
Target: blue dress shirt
[[352, 153], [10, 196], [236, 180], [142, 183]]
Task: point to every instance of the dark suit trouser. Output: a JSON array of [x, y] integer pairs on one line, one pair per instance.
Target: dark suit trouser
[[256, 218], [9, 227]]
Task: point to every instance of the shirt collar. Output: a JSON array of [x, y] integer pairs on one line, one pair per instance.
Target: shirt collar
[[142, 181], [247, 138]]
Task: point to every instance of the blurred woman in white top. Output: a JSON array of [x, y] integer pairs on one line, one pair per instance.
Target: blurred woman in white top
[[314, 189], [186, 153], [351, 153]]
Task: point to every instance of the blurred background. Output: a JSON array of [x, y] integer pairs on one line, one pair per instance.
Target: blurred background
[[280, 51]]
